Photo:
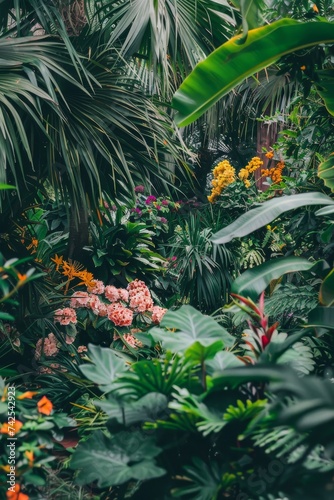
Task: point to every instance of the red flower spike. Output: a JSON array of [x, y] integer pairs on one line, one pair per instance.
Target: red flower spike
[[248, 303], [265, 341], [271, 330]]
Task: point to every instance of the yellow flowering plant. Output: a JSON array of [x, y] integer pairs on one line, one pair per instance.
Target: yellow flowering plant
[[224, 174]]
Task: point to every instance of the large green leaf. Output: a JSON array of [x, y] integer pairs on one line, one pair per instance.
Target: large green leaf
[[326, 293], [192, 327], [326, 170], [146, 409], [326, 88], [267, 212], [321, 317], [106, 366], [116, 460], [253, 281], [231, 63]]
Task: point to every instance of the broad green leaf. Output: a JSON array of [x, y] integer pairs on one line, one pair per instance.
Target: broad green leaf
[[326, 172], [321, 317], [232, 62], [252, 282], [266, 213], [106, 366], [326, 294], [116, 460], [221, 361], [325, 88], [325, 211], [251, 11], [146, 409], [192, 327], [6, 317], [199, 353]]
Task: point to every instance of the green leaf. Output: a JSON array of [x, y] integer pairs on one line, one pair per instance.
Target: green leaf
[[266, 213], [146, 409], [253, 281], [116, 460], [326, 172], [192, 327], [326, 293], [6, 317], [6, 186], [221, 361], [232, 62], [325, 88], [251, 11], [106, 366], [325, 211], [199, 353], [321, 317]]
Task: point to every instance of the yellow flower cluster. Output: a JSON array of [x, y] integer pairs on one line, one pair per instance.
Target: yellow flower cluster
[[252, 165], [275, 173], [73, 269], [223, 175]]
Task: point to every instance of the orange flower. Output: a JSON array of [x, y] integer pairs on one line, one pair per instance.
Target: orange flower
[[30, 457], [58, 261], [315, 8], [16, 494], [303, 68], [269, 155], [45, 406], [9, 428], [27, 395]]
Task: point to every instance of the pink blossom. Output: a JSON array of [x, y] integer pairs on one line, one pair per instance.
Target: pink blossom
[[123, 294], [150, 199], [48, 345], [82, 348], [65, 316], [69, 340], [165, 202], [163, 220], [140, 296], [131, 340], [98, 288], [79, 299], [111, 293], [120, 315], [139, 189], [158, 313], [95, 303]]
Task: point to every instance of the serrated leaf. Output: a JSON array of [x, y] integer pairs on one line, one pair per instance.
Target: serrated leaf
[[106, 366], [115, 460]]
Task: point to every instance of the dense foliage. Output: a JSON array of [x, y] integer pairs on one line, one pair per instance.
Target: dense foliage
[[166, 295]]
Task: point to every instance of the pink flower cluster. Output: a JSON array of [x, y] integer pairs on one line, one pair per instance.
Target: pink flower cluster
[[48, 345], [139, 296], [118, 304], [65, 316]]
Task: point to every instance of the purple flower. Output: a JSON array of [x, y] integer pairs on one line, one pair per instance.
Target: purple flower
[[150, 199], [163, 220], [139, 189], [138, 211], [165, 202]]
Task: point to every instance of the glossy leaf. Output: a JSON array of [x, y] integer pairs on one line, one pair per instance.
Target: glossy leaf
[[146, 409], [321, 317], [192, 327], [266, 213], [254, 281], [231, 63], [6, 186], [116, 460], [106, 366], [326, 171], [326, 294], [326, 88]]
